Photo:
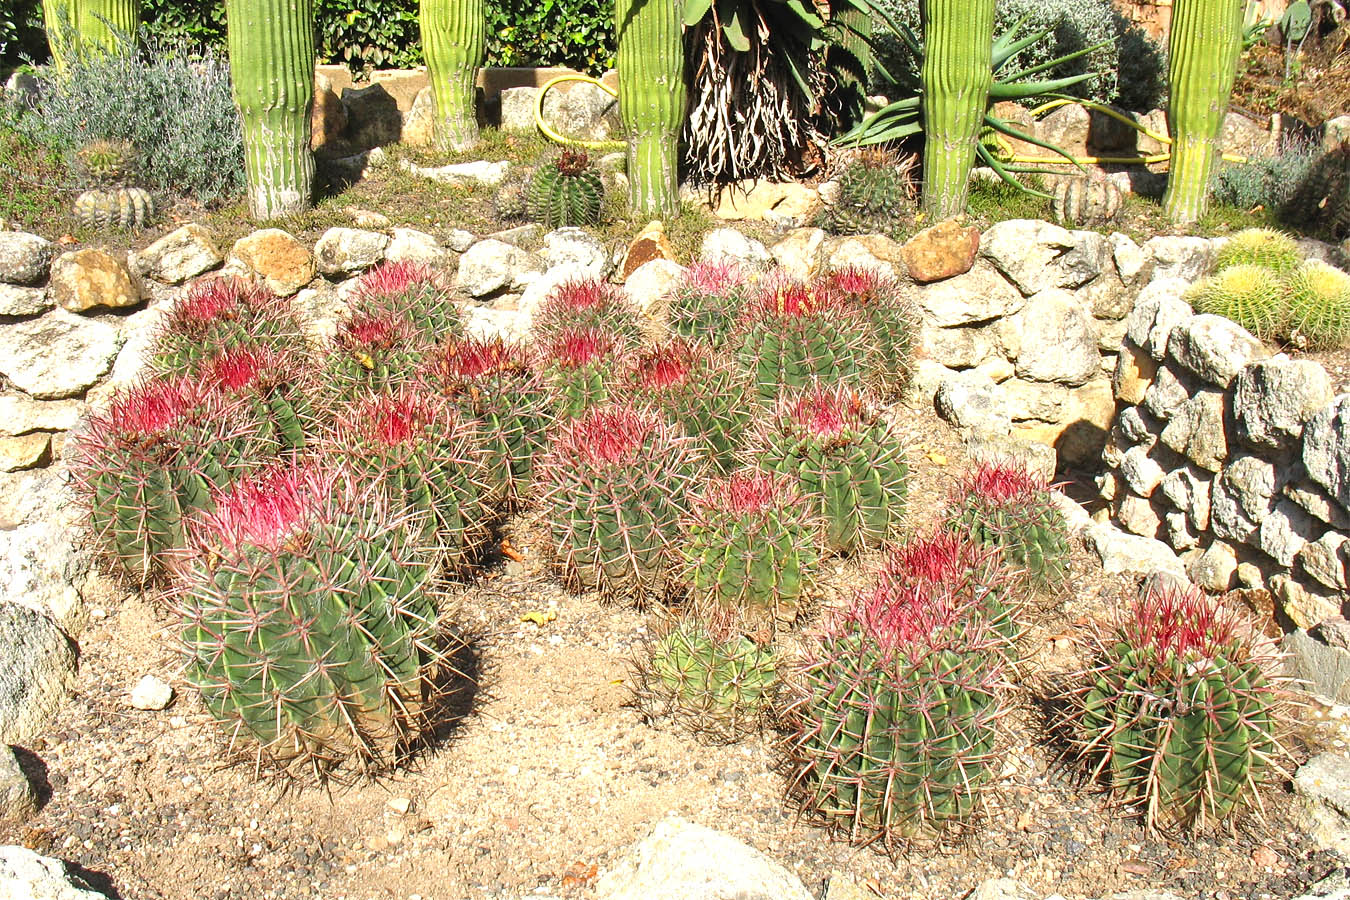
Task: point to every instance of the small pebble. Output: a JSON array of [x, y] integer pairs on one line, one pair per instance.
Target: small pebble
[[151, 693], [400, 805]]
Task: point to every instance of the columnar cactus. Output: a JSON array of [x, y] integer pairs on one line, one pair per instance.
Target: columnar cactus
[[751, 547], [587, 303], [272, 70], [892, 318], [152, 459], [1180, 711], [494, 383], [793, 334], [579, 365], [706, 303], [219, 313], [652, 101], [846, 461], [1203, 48], [703, 672], [702, 392], [80, 27], [454, 35], [957, 73], [1002, 505], [309, 620], [614, 486], [566, 192], [896, 716]]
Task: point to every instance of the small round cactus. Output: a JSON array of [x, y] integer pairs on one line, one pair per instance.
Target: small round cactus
[[1252, 296], [1319, 306], [1086, 202], [875, 196], [892, 319], [1180, 711], [216, 314], [1263, 247], [125, 208], [587, 303], [706, 303], [566, 192], [1005, 506], [106, 162]]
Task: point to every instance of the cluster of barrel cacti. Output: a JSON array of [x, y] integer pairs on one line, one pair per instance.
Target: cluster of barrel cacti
[[1263, 283]]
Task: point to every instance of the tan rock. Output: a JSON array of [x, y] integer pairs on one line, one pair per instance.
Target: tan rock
[[21, 414], [651, 243], [799, 253], [25, 452], [788, 204], [942, 251], [419, 125], [1083, 426], [178, 256], [329, 118], [284, 264], [1135, 371], [84, 279]]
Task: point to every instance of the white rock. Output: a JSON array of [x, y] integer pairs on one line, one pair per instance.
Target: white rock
[[578, 246], [1057, 339], [481, 172], [1273, 398], [1326, 449], [1121, 552], [24, 301], [539, 290], [730, 244], [1323, 784], [1157, 310], [1214, 348], [490, 266], [411, 245], [344, 251], [978, 295], [972, 401], [24, 875], [512, 326], [649, 285], [1131, 260], [20, 414], [1186, 258], [150, 693], [37, 671], [45, 559], [181, 254], [59, 355], [24, 258]]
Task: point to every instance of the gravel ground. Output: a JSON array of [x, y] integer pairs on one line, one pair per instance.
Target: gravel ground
[[553, 773]]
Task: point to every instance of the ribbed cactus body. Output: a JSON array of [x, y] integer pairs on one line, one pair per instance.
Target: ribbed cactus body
[[80, 27], [308, 620], [217, 314], [587, 304], [614, 487], [414, 293], [652, 101], [1005, 507], [130, 209], [703, 393], [1319, 306], [1086, 202], [706, 303], [274, 388], [873, 197], [891, 318], [957, 73], [567, 192], [454, 35], [272, 70], [1203, 47], [579, 366], [1252, 296], [1264, 247], [847, 463]]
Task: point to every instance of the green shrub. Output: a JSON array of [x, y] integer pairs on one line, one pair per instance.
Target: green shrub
[[576, 33], [21, 34], [170, 102], [1268, 183]]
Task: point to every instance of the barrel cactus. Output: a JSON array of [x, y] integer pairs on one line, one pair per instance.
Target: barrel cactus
[[1003, 505], [411, 291], [1263, 247], [891, 317], [1319, 306], [1250, 295], [579, 365], [874, 196], [566, 192], [751, 547], [1086, 202], [706, 302], [216, 314], [614, 486], [274, 386], [1180, 711], [582, 303], [847, 462], [308, 621], [126, 208], [104, 162], [374, 350]]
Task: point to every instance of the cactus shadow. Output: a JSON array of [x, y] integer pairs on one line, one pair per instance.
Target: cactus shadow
[[453, 695]]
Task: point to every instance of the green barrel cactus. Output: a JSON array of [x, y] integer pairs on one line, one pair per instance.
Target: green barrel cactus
[[874, 196], [275, 388], [706, 302], [1264, 247], [580, 365], [125, 208], [454, 39], [566, 192], [956, 75], [892, 321], [1002, 505], [587, 303], [1250, 295], [1319, 306], [413, 292], [216, 314], [652, 101]]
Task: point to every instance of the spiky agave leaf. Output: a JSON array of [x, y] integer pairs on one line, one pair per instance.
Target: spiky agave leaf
[[892, 318], [413, 292], [706, 302], [847, 463], [218, 313], [587, 303], [614, 486], [1181, 710], [1005, 506], [308, 619]]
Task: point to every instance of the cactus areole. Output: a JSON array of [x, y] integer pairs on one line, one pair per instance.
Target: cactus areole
[[272, 69], [1203, 48], [956, 77], [652, 101], [454, 34]]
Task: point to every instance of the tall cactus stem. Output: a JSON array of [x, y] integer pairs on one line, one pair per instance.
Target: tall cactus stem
[[454, 35], [652, 100], [81, 26], [956, 77], [1205, 42], [272, 69]]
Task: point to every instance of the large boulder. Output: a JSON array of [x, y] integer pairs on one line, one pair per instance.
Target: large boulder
[[1273, 398], [1214, 348], [490, 266], [24, 875], [1056, 339], [1326, 449], [85, 279], [346, 251], [1323, 786], [942, 251], [979, 295], [37, 671]]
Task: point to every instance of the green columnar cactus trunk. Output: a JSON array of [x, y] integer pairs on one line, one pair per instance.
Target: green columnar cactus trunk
[[956, 76], [1204, 45], [80, 26], [652, 100], [272, 68], [454, 34]]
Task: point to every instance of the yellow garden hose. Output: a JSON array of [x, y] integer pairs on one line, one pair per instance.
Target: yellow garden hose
[[560, 139]]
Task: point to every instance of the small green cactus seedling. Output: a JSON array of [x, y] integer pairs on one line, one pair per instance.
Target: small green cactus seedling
[[875, 196], [1252, 296], [1263, 247], [1003, 505], [1319, 306], [106, 163], [566, 192]]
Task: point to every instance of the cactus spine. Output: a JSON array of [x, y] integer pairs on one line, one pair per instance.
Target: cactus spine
[[76, 27], [956, 76], [652, 100], [454, 35], [1204, 44], [272, 70]]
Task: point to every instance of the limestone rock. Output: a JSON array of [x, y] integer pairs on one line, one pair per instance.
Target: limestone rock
[[1166, 395], [1109, 298], [284, 264], [1188, 489], [1057, 339], [1196, 430], [518, 105], [1082, 429], [24, 258], [799, 252], [522, 236], [684, 861], [582, 111], [1241, 497], [975, 296], [490, 266], [1323, 785], [1133, 265], [1187, 258], [1133, 374], [1214, 348], [1138, 427], [1319, 504], [45, 560], [511, 326], [1138, 515], [18, 800], [24, 875], [541, 288], [1319, 657], [419, 122], [730, 244], [1273, 398], [413, 246], [941, 251], [1121, 552], [650, 285], [1142, 473], [182, 254], [150, 693], [481, 172], [868, 251], [974, 402], [347, 251], [21, 414], [1216, 569], [84, 279], [1326, 449], [24, 301], [458, 240], [37, 670], [1327, 560], [59, 355], [1037, 255], [924, 382], [1029, 400], [1157, 310], [1037, 458], [25, 451], [957, 348], [786, 204], [575, 245], [1306, 605], [649, 244], [1284, 531]]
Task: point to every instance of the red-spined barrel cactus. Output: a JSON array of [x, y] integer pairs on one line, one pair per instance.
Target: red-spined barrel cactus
[[374, 350], [413, 292], [847, 462], [1180, 711], [308, 619], [216, 314], [1005, 506], [615, 486], [892, 320], [792, 335], [495, 383], [752, 547], [587, 303], [275, 386], [706, 303], [704, 672], [152, 459], [420, 450], [895, 720], [579, 365], [710, 398]]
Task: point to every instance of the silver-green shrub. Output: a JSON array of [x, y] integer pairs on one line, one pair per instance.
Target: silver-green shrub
[[1268, 183], [172, 103]]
